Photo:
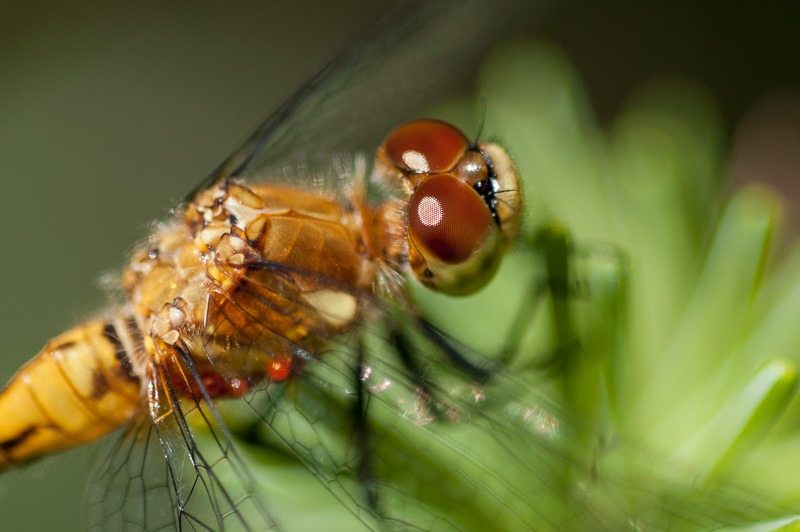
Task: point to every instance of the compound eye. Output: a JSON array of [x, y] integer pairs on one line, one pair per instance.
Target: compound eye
[[426, 146], [447, 220]]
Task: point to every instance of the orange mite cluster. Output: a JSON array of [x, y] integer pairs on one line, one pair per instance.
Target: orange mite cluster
[[279, 368]]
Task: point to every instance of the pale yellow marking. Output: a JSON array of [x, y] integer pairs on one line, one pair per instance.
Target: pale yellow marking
[[244, 214], [211, 235], [171, 337], [236, 260], [337, 308]]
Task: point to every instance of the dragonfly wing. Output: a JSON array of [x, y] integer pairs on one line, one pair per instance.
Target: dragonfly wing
[[412, 447], [430, 448], [379, 401], [131, 484], [419, 53], [404, 426], [156, 477]]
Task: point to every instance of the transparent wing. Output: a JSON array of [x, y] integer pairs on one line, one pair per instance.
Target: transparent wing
[[407, 427], [131, 484], [157, 478], [367, 413], [399, 425], [419, 53], [397, 448]]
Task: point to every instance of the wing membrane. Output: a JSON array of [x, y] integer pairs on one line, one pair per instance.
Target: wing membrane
[[132, 483], [402, 436], [418, 54], [427, 445], [158, 478]]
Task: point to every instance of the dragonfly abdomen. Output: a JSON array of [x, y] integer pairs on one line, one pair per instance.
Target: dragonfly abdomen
[[80, 387]]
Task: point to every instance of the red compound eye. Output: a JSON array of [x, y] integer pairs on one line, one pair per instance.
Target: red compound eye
[[447, 219], [426, 146]]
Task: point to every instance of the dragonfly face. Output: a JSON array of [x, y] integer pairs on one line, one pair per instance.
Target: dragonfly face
[[464, 204]]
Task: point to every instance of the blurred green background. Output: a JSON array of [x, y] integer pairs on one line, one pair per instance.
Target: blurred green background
[[110, 114]]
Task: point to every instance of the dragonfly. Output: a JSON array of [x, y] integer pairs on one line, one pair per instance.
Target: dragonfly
[[253, 284], [120, 340], [331, 364]]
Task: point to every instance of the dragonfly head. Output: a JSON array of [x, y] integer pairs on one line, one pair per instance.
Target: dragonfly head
[[463, 208]]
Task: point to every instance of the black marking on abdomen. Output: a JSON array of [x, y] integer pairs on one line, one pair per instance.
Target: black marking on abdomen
[[100, 385], [9, 444], [63, 346], [120, 354]]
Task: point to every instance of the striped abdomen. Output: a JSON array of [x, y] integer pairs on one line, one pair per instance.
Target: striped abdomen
[[78, 388]]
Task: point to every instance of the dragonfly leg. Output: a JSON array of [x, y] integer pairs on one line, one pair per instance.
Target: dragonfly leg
[[361, 433], [554, 245]]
